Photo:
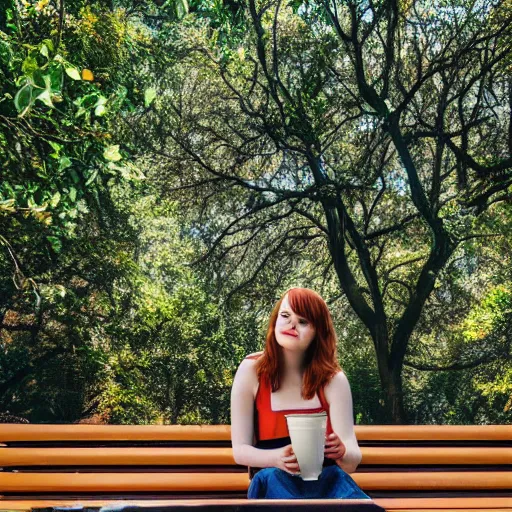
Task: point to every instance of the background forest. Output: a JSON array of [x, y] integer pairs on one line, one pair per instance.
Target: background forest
[[168, 169]]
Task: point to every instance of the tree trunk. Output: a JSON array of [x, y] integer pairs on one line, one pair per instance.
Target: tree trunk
[[395, 398], [390, 378]]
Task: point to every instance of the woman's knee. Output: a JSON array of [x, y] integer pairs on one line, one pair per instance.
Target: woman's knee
[[332, 470]]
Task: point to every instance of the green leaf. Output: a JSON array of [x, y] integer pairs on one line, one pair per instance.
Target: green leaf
[[23, 98], [72, 72], [80, 112], [44, 50], [88, 101], [5, 52], [74, 176], [38, 78], [55, 199], [100, 110], [112, 153], [72, 194], [100, 106], [45, 98], [181, 8], [29, 65], [92, 177], [56, 77], [55, 243], [64, 163], [149, 96], [56, 147], [49, 44]]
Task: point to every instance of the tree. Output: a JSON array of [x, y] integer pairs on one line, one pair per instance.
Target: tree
[[121, 330], [370, 134], [58, 166]]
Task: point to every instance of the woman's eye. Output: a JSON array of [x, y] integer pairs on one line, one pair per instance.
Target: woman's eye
[[303, 322]]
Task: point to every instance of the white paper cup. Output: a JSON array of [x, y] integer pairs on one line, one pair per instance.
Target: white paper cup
[[307, 432]]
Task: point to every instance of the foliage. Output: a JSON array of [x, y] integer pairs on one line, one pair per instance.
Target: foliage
[[169, 168], [363, 139], [59, 163]]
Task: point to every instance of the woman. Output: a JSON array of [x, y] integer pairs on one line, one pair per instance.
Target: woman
[[297, 372]]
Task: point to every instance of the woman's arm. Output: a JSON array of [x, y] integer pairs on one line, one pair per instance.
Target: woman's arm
[[242, 418], [341, 413]]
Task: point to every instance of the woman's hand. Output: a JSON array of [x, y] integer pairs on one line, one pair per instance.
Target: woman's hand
[[287, 461], [334, 447]]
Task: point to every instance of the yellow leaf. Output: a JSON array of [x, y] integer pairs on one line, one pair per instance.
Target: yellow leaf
[[43, 217], [41, 5], [7, 206], [87, 75]]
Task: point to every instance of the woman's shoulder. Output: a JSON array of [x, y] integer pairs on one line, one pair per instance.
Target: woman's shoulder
[[338, 379], [248, 364], [337, 385], [247, 375], [254, 356]]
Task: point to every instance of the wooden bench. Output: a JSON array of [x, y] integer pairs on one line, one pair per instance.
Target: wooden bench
[[404, 468]]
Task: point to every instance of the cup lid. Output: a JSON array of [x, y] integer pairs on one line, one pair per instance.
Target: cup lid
[[300, 415]]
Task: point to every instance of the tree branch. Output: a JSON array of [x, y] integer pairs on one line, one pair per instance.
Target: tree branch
[[458, 366]]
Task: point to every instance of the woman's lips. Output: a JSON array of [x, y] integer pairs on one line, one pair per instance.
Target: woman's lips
[[290, 333]]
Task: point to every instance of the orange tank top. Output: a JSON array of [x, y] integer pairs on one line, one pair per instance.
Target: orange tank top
[[269, 424]]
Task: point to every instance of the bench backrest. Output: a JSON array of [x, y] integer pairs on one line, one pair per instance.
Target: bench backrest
[[196, 461]]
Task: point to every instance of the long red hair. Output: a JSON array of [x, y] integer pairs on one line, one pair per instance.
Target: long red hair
[[321, 359]]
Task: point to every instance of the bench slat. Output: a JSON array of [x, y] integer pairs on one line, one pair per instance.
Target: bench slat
[[436, 455], [14, 432], [121, 482], [443, 503], [446, 510], [115, 456], [390, 504], [144, 482], [434, 432], [441, 480], [224, 456], [234, 504]]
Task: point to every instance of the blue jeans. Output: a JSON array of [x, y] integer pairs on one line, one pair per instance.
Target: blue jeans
[[274, 483]]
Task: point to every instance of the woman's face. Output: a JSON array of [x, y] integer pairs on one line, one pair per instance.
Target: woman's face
[[293, 332]]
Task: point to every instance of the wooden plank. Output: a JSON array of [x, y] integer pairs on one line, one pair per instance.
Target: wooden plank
[[29, 504], [156, 456], [434, 432], [121, 482], [436, 455], [440, 480], [21, 432], [447, 510], [14, 432], [403, 504], [390, 504], [147, 482], [115, 456]]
